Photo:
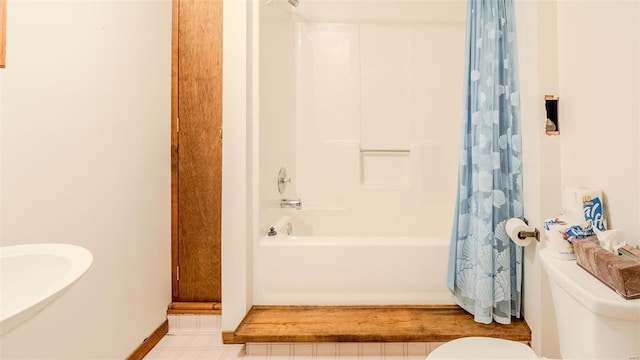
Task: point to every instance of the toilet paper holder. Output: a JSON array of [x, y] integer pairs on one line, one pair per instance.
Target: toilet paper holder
[[525, 234]]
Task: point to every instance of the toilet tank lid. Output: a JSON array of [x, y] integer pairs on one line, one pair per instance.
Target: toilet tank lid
[[588, 290]]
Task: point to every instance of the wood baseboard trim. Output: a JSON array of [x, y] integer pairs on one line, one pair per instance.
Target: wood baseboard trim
[[194, 308], [149, 342]]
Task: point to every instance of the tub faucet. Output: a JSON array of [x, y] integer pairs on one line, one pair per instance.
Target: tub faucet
[[286, 203]]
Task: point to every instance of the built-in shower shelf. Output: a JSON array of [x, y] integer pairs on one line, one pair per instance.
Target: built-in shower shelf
[[365, 324]]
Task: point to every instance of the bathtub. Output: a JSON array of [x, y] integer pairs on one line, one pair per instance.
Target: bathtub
[[301, 269]]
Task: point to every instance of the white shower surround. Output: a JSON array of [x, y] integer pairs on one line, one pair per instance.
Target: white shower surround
[[361, 102]]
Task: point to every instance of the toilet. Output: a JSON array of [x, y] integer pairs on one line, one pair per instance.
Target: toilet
[[593, 322]]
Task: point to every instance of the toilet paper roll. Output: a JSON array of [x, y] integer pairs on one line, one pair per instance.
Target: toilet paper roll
[[514, 226], [555, 231]]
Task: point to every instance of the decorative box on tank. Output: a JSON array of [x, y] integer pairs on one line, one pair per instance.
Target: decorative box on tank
[[620, 272]]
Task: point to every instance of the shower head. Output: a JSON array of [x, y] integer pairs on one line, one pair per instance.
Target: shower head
[[294, 3]]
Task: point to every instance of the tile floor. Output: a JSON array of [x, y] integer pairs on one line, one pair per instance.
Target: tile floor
[[194, 347], [198, 337], [194, 337]]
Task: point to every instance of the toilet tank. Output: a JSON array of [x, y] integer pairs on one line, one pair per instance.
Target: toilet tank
[[593, 321]]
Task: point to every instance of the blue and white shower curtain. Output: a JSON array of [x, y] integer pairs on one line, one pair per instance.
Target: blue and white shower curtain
[[485, 267]]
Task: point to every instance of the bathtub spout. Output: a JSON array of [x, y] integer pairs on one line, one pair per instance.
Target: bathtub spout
[[286, 203]]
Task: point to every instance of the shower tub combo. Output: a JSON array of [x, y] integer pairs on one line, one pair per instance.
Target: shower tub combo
[[360, 101]]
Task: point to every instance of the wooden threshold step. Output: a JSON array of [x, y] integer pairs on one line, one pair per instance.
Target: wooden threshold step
[[194, 308], [375, 323]]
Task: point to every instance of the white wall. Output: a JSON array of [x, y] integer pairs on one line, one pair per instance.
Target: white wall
[[598, 61], [537, 52], [85, 160], [238, 207]]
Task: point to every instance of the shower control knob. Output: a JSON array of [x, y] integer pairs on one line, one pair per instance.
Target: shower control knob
[[283, 180], [272, 232]]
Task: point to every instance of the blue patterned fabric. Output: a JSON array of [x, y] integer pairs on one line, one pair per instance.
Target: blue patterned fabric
[[485, 267]]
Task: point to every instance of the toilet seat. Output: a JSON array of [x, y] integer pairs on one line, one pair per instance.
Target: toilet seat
[[482, 348]]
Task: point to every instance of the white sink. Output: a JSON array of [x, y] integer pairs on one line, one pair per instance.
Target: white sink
[[32, 276]]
